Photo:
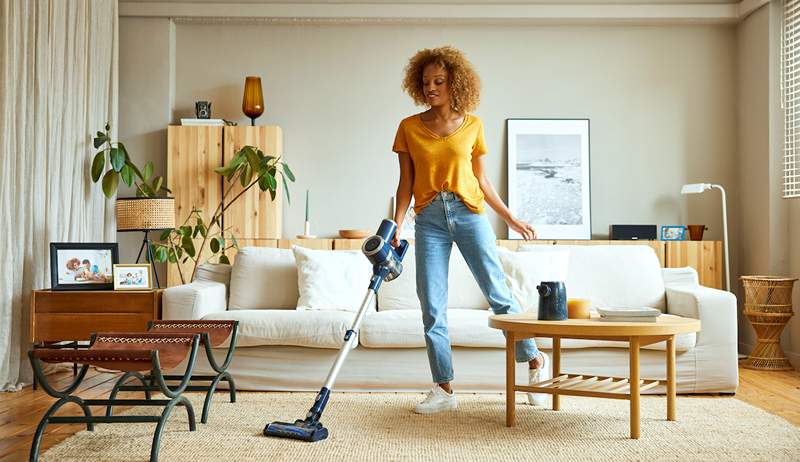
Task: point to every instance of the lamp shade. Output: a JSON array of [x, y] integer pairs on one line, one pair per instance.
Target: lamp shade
[[695, 188], [145, 213], [253, 99]]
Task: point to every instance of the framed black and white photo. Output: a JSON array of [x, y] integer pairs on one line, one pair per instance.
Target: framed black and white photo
[[82, 266], [132, 277], [549, 176]]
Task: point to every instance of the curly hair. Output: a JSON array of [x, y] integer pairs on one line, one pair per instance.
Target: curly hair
[[465, 85]]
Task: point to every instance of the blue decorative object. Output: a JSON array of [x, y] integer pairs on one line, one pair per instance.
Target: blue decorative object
[[673, 233], [552, 301]]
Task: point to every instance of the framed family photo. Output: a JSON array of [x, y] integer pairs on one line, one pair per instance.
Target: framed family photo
[[132, 277], [549, 176], [82, 266], [673, 233]]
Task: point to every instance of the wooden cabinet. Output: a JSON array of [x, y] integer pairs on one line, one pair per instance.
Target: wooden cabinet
[[193, 153], [704, 256], [74, 315]]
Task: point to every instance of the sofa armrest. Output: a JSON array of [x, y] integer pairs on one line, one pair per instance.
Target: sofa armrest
[[680, 276], [716, 310], [194, 301]]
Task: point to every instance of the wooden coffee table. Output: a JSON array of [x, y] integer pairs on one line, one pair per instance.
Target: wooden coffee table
[[638, 334]]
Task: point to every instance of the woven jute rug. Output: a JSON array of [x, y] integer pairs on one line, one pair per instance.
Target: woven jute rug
[[382, 427]]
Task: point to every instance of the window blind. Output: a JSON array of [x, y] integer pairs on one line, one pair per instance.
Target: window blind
[[791, 98]]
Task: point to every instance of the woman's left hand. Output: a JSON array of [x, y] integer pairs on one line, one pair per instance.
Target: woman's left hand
[[526, 230]]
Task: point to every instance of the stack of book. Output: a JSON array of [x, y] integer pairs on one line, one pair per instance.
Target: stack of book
[[644, 314]]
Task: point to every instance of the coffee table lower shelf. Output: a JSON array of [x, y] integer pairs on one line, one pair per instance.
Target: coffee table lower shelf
[[593, 386]]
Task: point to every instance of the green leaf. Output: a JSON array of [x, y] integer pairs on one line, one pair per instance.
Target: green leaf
[[188, 245], [100, 139], [108, 126], [172, 257], [247, 176], [161, 254], [287, 171], [203, 230], [235, 242], [117, 159], [165, 235], [110, 183], [253, 159], [224, 260], [147, 190], [127, 175], [286, 189], [157, 182], [98, 164], [272, 194], [195, 232], [214, 245], [148, 171], [185, 230]]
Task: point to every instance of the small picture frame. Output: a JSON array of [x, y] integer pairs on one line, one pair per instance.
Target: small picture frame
[[82, 266], [673, 233], [133, 277]]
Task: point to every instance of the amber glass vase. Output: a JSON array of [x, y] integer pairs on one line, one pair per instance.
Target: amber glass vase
[[253, 100]]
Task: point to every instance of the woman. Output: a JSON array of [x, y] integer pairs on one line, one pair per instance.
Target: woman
[[441, 163]]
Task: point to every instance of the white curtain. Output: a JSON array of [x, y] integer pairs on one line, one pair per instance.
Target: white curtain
[[58, 86]]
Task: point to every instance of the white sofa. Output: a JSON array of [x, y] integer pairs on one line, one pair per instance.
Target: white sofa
[[285, 348]]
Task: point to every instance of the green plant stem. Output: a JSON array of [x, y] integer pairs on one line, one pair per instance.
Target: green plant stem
[[177, 262]]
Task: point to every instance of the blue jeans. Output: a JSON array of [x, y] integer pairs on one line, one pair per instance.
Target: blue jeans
[[438, 225]]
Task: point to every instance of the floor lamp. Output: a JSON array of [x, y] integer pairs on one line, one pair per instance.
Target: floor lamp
[[146, 214], [697, 188]]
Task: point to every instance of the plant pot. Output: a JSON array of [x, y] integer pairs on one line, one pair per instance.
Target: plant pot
[[696, 232]]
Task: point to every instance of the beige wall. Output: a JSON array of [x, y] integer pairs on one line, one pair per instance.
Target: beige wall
[[660, 100], [769, 224]]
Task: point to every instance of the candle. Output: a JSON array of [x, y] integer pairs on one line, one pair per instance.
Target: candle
[[578, 308], [306, 204]]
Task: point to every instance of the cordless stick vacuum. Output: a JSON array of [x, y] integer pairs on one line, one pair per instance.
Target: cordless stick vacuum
[[386, 265]]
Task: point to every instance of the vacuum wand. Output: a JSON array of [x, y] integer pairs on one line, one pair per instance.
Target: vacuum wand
[[386, 265]]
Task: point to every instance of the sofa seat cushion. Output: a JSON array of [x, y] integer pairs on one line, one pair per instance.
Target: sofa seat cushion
[[312, 329], [470, 328], [462, 290], [403, 329]]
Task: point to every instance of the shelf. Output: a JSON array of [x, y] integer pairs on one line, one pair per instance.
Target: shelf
[[588, 385]]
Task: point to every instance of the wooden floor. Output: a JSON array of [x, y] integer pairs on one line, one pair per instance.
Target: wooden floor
[[775, 392]]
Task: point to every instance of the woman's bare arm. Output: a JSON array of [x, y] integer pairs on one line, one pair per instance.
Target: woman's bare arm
[[496, 203], [403, 195]]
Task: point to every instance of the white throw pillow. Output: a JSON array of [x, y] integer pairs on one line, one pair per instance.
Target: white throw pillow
[[526, 270], [331, 279], [263, 278]]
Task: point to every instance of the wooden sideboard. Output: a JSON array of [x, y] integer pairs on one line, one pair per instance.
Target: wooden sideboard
[[193, 152], [705, 257], [69, 315]]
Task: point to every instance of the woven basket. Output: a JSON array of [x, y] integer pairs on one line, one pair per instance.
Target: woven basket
[[145, 213], [768, 306]]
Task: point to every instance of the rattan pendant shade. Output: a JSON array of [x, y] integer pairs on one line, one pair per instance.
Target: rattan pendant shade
[[145, 213]]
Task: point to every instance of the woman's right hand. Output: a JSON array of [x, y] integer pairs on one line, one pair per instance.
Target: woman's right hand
[[396, 238]]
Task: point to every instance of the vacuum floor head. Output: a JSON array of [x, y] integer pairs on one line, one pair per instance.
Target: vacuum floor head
[[299, 430]]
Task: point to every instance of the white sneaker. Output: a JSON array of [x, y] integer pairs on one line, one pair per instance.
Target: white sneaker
[[539, 375], [437, 400]]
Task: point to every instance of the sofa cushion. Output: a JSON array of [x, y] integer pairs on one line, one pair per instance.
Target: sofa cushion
[[403, 329], [313, 329], [331, 279], [526, 270], [614, 275], [462, 290], [263, 277]]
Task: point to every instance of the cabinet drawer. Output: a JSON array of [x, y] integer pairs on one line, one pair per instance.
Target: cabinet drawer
[[95, 302], [52, 327]]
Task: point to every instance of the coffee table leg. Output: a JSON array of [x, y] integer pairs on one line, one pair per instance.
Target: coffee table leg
[[510, 378], [671, 378], [634, 383], [556, 369]]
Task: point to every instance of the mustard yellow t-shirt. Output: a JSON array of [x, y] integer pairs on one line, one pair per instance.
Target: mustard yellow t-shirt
[[443, 162]]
